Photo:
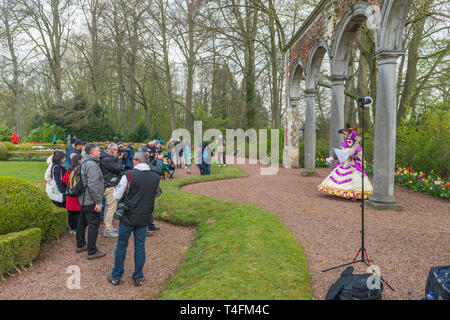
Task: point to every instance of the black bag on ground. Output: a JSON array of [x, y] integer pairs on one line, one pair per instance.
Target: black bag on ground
[[353, 287], [439, 282]]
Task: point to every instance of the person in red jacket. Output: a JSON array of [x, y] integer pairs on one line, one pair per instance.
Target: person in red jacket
[[15, 138], [72, 205]]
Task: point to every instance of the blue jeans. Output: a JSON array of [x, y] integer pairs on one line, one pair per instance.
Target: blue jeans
[[121, 250], [103, 209]]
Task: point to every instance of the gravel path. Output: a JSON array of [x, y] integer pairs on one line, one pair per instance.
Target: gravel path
[[47, 278], [404, 244]]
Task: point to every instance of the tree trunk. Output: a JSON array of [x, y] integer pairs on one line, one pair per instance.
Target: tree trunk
[[409, 86], [276, 121]]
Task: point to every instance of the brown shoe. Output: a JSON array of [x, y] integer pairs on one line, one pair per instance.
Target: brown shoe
[[98, 254], [82, 249]]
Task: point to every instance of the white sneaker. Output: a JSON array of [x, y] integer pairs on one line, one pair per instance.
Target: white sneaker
[[220, 165]]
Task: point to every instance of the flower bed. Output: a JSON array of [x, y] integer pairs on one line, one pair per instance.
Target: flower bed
[[420, 181]]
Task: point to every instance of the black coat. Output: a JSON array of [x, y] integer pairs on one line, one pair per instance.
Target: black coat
[[57, 173], [111, 168], [140, 198]]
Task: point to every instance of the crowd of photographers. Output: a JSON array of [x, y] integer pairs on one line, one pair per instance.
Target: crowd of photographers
[[98, 184]]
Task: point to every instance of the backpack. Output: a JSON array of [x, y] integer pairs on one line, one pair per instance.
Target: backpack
[[353, 287], [75, 185], [438, 282]]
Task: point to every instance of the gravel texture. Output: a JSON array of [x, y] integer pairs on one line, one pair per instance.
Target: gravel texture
[[47, 277], [403, 244]]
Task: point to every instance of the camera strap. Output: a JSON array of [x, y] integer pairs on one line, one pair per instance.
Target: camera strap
[[129, 176]]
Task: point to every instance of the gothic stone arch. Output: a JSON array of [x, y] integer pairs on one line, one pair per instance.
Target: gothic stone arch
[[330, 29]]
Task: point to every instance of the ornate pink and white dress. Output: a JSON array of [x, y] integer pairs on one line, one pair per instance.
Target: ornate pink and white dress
[[345, 179]]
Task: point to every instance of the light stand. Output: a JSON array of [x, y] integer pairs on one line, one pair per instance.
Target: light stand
[[364, 256]]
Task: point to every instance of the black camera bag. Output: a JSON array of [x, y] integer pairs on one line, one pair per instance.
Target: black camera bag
[[353, 287], [439, 282]]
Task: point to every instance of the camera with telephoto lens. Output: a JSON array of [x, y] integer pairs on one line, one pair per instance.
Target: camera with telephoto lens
[[123, 151], [121, 209]]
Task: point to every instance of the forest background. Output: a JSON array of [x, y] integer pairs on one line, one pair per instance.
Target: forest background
[[139, 69]]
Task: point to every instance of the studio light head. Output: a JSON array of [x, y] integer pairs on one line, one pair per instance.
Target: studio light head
[[365, 101]]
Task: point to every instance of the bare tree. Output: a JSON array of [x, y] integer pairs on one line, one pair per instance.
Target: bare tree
[[48, 24]]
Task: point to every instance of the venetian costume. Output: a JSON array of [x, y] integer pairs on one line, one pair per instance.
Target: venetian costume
[[345, 179]]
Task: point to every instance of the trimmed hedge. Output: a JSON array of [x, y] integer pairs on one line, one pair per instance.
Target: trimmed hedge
[[9, 146], [18, 249], [3, 152], [58, 224], [29, 154], [23, 206]]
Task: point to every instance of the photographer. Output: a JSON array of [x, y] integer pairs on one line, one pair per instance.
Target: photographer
[[136, 192], [129, 156], [156, 165], [111, 165]]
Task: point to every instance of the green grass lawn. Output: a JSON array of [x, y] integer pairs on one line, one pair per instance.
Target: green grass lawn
[[241, 251], [31, 171]]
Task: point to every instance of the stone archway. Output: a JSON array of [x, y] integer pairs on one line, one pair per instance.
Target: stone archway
[[291, 130], [315, 58], [333, 24]]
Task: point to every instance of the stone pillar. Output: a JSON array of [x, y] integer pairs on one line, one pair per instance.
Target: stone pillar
[[337, 111], [290, 151], [385, 133], [310, 135]]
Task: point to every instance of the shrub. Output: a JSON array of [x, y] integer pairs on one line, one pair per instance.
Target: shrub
[[18, 249], [9, 146], [5, 132], [140, 134], [58, 224], [29, 154], [23, 206], [32, 159], [3, 152], [45, 133], [424, 143]]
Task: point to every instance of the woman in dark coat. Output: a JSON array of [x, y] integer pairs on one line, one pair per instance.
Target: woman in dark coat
[[72, 205], [58, 172]]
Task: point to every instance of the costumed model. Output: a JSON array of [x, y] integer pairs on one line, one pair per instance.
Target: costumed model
[[345, 179]]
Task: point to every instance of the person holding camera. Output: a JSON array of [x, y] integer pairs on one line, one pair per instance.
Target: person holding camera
[[136, 191], [156, 166], [129, 156], [111, 165], [90, 200]]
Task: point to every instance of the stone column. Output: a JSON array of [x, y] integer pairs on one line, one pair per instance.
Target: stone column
[[337, 111], [290, 151], [385, 133], [310, 135]]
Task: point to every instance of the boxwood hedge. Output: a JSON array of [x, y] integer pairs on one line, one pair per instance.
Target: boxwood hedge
[[18, 249], [23, 206], [29, 154], [9, 146], [3, 152], [58, 224]]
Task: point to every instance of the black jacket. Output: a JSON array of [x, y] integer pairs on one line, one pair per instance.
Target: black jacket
[[140, 198], [111, 168], [57, 173]]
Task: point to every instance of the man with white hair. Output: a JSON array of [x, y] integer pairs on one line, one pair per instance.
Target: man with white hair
[[111, 166], [136, 191]]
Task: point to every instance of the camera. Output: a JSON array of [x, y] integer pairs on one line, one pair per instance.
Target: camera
[[121, 209], [123, 151]]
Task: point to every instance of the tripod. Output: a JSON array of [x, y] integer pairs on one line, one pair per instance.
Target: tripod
[[364, 256]]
